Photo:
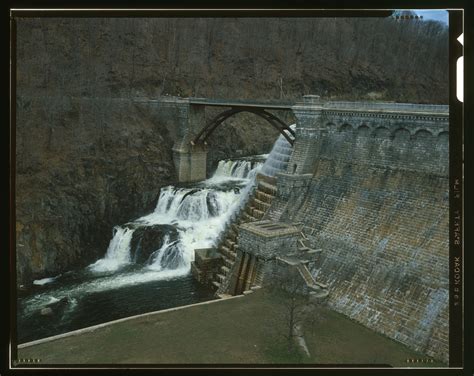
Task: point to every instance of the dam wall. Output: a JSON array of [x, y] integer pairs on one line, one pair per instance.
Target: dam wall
[[377, 205]]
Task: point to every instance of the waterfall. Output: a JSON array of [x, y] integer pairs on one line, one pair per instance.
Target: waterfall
[[118, 252], [156, 248], [189, 204], [167, 257], [279, 156], [199, 213], [241, 169]]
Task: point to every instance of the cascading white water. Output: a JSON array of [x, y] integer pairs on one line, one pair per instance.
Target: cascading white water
[[167, 255], [240, 169], [189, 204], [118, 252], [199, 213], [279, 156]]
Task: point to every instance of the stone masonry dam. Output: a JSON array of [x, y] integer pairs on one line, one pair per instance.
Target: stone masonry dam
[[366, 193]]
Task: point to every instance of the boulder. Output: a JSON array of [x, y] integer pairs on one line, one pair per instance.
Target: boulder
[[148, 239]]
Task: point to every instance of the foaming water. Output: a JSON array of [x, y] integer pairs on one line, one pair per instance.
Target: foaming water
[[239, 169], [118, 252], [199, 214], [44, 281], [279, 157]]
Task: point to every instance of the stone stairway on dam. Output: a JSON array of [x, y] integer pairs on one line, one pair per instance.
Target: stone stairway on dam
[[275, 251], [299, 259], [254, 210]]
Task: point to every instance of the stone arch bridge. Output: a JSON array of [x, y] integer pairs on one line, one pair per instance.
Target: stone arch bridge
[[316, 119]]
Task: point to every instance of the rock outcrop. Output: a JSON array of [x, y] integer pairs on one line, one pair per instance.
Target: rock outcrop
[[148, 239]]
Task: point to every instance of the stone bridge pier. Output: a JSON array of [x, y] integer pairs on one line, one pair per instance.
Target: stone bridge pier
[[189, 159]]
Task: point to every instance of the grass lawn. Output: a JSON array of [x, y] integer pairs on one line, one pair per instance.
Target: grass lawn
[[242, 330]]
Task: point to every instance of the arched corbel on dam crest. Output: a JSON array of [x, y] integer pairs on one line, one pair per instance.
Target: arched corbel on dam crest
[[345, 127]]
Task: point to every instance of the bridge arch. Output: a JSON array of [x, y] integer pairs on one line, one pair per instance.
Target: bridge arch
[[443, 135], [273, 120]]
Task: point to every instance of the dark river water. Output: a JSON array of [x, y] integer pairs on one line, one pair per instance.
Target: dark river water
[[92, 301]]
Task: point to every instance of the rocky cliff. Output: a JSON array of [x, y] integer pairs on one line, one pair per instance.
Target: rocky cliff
[[90, 156]]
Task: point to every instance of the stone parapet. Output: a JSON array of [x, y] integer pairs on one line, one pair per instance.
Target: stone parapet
[[392, 122], [389, 107], [316, 102]]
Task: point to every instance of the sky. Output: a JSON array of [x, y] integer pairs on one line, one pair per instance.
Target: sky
[[436, 15]]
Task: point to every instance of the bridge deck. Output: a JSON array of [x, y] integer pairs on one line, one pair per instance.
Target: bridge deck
[[330, 106], [370, 107], [243, 103]]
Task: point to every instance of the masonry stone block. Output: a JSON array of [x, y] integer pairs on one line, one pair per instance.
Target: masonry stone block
[[267, 239], [292, 184], [189, 160], [190, 163]]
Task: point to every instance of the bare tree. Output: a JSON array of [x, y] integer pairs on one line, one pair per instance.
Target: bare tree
[[297, 309]]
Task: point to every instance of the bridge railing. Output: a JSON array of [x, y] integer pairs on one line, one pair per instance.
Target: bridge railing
[[286, 105], [382, 106], [241, 102]]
